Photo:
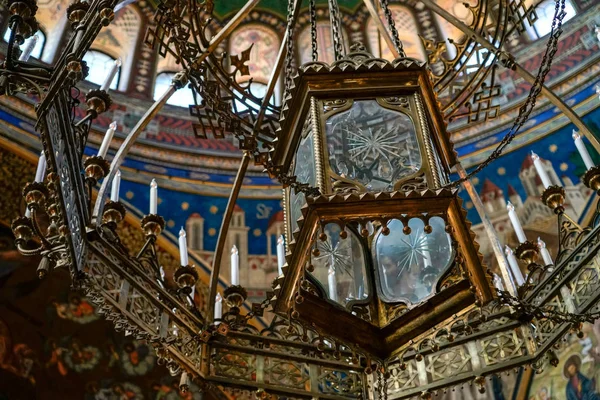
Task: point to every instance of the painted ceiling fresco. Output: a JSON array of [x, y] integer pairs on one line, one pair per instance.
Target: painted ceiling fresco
[[54, 345]]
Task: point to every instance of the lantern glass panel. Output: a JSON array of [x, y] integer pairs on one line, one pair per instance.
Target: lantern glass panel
[[340, 266], [304, 170], [409, 266], [372, 145]]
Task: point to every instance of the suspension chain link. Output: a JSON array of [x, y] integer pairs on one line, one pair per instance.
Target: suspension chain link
[[392, 25], [529, 104], [289, 57], [313, 30], [336, 32]]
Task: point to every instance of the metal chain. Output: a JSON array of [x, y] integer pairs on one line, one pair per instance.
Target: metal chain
[[527, 107], [336, 32], [289, 57], [392, 25], [313, 30]]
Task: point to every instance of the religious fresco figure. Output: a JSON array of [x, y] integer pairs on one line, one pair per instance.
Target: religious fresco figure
[[579, 387]]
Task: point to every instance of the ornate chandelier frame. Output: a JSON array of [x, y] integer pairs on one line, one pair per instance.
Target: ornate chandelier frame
[[286, 358]]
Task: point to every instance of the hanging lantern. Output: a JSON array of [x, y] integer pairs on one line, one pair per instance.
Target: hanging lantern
[[383, 253]]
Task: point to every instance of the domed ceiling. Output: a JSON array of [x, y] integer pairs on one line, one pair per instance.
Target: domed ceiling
[[195, 174]]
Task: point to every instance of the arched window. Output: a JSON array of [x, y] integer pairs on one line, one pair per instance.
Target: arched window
[[324, 43], [182, 98], [99, 65], [545, 14], [121, 39], [407, 30], [39, 46]]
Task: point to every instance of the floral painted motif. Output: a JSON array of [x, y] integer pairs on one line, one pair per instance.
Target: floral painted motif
[[80, 358], [77, 309], [137, 358]]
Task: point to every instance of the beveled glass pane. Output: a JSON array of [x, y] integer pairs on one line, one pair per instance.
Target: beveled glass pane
[[304, 170], [372, 145], [409, 266], [340, 267]]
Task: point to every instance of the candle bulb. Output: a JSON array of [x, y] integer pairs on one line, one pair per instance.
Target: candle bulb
[[29, 46], [280, 255], [514, 220], [539, 167], [514, 266], [583, 152], [183, 252], [41, 168], [544, 252], [116, 187], [111, 75], [107, 138], [218, 308], [332, 283], [235, 266], [498, 283], [153, 196]]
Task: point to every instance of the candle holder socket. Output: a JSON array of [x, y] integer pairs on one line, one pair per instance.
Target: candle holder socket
[[153, 224], [76, 11], [591, 178], [527, 252], [114, 212], [107, 15], [554, 197], [77, 70], [97, 101], [22, 229], [22, 8], [96, 168], [35, 194], [235, 296], [186, 277]]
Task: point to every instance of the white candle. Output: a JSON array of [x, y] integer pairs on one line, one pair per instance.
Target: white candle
[[218, 308], [514, 266], [107, 138], [111, 75], [332, 283], [41, 168], [544, 252], [539, 167], [583, 152], [30, 45], [183, 252], [153, 196], [498, 283], [514, 220], [235, 266], [116, 186], [280, 255]]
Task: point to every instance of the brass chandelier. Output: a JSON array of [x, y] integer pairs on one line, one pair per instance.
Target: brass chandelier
[[382, 288]]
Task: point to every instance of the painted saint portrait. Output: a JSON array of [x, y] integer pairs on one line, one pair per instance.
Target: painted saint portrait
[[578, 373]]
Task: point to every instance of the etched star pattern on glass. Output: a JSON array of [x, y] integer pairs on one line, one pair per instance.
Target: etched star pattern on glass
[[373, 145]]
